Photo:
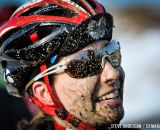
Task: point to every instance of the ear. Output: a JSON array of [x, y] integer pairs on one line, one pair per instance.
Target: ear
[[41, 92]]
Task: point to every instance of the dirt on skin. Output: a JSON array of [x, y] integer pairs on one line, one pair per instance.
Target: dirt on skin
[[84, 110]]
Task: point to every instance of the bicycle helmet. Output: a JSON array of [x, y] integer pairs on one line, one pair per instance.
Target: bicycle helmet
[[43, 28]]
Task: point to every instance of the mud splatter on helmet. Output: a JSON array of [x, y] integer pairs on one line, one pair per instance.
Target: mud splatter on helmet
[[43, 28]]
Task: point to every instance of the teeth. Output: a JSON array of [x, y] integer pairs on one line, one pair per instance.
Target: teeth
[[104, 97], [109, 96]]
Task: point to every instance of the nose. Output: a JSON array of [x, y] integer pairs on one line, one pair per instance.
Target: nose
[[109, 74]]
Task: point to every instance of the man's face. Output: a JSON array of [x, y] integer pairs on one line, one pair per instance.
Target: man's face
[[97, 99]]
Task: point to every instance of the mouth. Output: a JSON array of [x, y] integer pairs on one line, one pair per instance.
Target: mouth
[[110, 95], [109, 98]]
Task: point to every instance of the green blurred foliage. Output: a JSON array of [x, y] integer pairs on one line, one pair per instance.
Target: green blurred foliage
[[1, 79]]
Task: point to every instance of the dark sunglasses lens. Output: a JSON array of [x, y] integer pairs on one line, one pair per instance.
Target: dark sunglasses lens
[[93, 66], [113, 52], [76, 69], [84, 68], [115, 59], [88, 63]]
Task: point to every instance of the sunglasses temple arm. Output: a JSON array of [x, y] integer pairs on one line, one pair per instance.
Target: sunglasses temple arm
[[52, 70], [55, 69]]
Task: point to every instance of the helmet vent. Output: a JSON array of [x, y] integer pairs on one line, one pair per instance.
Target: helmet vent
[[22, 42], [44, 31], [4, 64], [51, 10], [81, 4], [5, 36], [90, 2]]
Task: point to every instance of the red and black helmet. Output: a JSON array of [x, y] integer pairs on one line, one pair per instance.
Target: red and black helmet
[[43, 28]]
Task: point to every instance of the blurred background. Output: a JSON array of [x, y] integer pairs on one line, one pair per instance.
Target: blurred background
[[137, 27]]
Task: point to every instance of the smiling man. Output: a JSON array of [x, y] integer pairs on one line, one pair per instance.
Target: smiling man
[[90, 89], [60, 52]]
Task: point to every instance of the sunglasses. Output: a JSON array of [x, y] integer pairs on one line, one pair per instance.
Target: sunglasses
[[86, 63]]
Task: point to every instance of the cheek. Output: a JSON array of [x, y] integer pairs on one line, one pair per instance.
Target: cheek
[[68, 89], [74, 93]]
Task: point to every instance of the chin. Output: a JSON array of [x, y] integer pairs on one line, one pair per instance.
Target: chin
[[113, 115]]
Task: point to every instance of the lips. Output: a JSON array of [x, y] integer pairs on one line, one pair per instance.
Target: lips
[[108, 96]]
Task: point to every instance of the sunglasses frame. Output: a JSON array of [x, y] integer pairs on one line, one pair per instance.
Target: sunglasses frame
[[60, 67]]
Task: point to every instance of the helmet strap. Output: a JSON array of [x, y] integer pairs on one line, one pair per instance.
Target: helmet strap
[[59, 110]]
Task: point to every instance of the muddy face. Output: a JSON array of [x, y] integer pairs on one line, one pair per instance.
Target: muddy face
[[96, 100]]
